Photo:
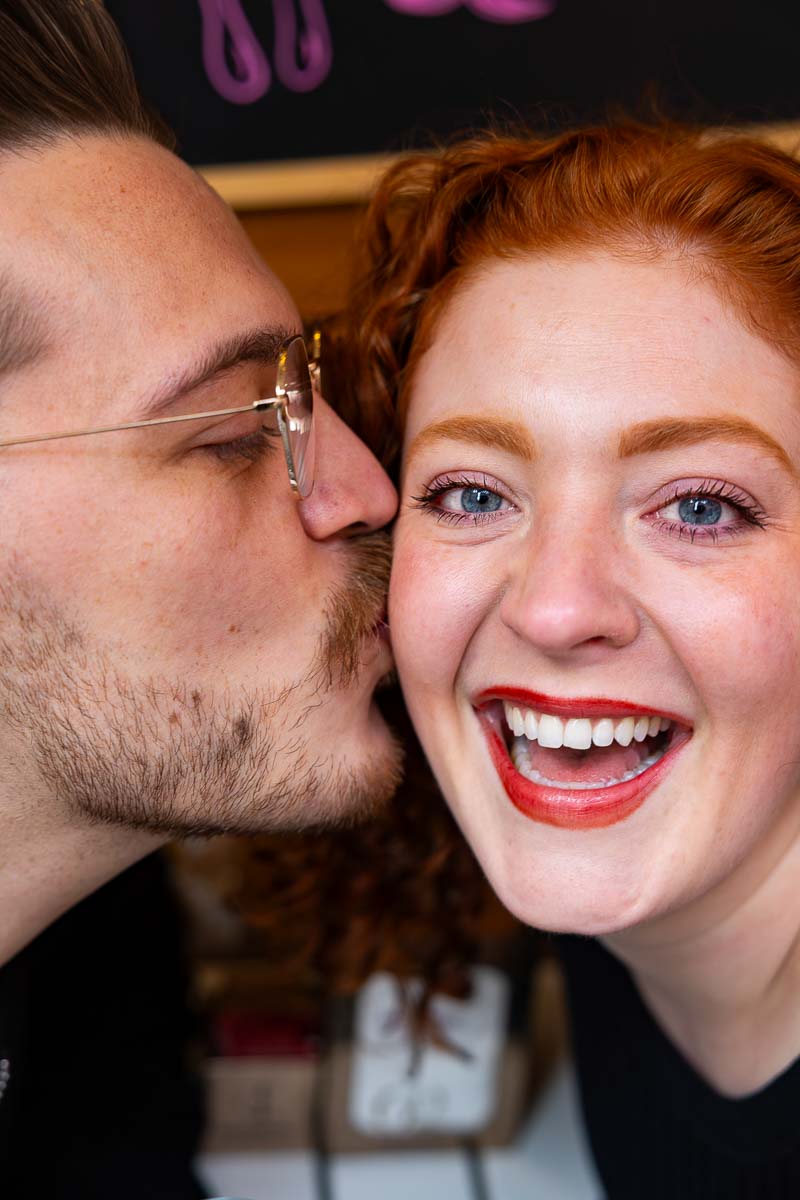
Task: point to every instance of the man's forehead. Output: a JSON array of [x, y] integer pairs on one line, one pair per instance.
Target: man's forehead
[[24, 333], [122, 213], [139, 262]]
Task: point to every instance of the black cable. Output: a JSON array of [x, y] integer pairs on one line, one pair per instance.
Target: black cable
[[477, 1175], [319, 1142]]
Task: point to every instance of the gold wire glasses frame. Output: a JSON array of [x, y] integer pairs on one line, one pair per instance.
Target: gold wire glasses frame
[[293, 402]]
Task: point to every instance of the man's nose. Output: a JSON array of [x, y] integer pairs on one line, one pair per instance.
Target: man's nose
[[352, 493], [570, 595]]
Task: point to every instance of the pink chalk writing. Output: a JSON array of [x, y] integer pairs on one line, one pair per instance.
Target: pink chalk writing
[[239, 70], [501, 11], [303, 56], [243, 74], [234, 59]]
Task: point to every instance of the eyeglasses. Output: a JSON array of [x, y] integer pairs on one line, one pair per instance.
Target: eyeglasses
[[293, 404]]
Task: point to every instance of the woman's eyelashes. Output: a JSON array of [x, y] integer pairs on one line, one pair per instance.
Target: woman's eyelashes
[[707, 510], [701, 510], [457, 499]]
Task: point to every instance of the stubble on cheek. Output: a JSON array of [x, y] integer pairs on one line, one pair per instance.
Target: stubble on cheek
[[178, 755], [115, 748]]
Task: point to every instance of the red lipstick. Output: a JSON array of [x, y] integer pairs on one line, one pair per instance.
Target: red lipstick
[[565, 808], [588, 706]]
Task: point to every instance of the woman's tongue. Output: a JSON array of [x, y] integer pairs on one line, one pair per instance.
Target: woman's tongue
[[596, 765]]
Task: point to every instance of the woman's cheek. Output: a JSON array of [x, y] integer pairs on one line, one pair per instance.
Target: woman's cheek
[[435, 604], [739, 639]]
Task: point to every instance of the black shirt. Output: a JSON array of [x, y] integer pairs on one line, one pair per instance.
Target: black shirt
[[101, 1103], [657, 1130]]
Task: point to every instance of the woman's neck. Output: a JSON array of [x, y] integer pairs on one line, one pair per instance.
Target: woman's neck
[[722, 976]]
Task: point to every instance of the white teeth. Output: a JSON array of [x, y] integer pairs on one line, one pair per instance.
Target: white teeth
[[578, 733], [641, 728], [603, 732], [531, 726], [551, 732]]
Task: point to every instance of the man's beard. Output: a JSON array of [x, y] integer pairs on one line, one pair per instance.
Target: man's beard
[[165, 755]]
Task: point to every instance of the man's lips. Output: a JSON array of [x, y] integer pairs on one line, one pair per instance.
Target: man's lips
[[581, 806]]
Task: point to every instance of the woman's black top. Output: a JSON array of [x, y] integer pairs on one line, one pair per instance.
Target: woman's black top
[[657, 1130], [101, 1102]]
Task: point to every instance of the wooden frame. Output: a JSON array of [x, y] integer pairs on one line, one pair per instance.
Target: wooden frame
[[304, 183], [784, 135], [323, 182]]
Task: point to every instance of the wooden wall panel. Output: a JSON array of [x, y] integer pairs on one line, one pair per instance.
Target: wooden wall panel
[[310, 249]]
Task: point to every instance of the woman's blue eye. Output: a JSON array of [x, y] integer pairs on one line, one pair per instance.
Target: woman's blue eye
[[710, 510], [700, 510], [456, 500], [479, 500]]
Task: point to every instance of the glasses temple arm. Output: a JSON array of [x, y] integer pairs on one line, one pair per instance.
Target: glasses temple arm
[[257, 406]]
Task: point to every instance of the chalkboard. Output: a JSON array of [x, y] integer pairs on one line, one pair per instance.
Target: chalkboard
[[255, 81]]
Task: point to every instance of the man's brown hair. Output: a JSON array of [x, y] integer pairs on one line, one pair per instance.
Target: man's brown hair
[[64, 71]]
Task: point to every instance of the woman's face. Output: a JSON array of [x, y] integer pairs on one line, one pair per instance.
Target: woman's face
[[599, 542]]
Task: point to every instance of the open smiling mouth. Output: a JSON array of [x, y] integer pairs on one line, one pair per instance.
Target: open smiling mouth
[[578, 764]]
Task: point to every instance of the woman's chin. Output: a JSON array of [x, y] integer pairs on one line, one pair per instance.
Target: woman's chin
[[591, 874], [549, 879], [554, 908]]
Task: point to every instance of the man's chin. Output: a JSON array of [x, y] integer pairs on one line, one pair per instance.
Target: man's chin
[[339, 788], [363, 780]]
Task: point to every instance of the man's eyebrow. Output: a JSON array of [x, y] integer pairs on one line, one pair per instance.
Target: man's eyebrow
[[650, 437], [262, 345], [23, 331], [499, 432]]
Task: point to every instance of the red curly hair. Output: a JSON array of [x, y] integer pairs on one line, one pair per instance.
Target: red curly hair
[[728, 204], [405, 893]]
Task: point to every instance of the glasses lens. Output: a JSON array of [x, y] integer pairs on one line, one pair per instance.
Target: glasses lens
[[294, 382]]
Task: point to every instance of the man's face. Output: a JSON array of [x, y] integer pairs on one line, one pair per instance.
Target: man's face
[[169, 613]]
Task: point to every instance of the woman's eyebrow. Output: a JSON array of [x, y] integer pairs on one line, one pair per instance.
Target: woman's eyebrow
[[649, 437], [499, 432]]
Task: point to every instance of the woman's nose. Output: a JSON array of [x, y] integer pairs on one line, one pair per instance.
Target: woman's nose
[[569, 596], [352, 493]]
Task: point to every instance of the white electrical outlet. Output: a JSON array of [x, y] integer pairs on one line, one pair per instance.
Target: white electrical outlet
[[399, 1089]]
